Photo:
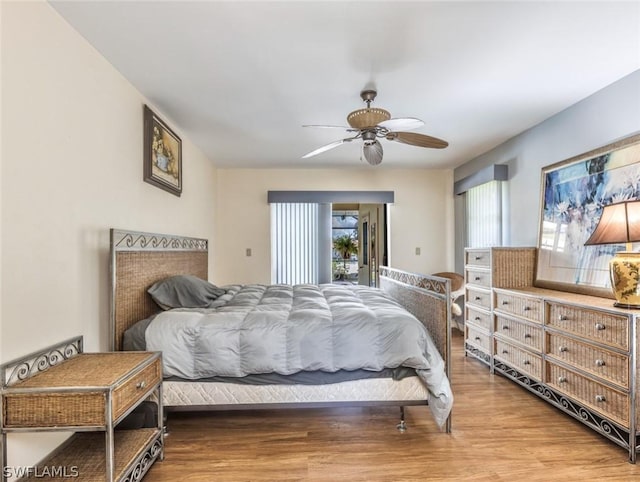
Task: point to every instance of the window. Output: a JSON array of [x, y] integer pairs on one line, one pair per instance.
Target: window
[[484, 215], [300, 243], [344, 227]]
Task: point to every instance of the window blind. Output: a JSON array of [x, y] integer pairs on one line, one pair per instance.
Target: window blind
[[294, 243], [484, 215]]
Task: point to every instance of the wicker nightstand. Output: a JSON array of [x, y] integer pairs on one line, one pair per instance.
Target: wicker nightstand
[[61, 388]]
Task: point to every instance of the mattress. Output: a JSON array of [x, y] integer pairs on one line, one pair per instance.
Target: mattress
[[193, 393]]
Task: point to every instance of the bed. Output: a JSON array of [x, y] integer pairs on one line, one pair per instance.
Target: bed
[[139, 260]]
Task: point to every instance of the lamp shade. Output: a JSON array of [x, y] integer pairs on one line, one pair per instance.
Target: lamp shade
[[619, 223]]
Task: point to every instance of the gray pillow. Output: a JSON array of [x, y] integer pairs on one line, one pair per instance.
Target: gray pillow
[[184, 291]]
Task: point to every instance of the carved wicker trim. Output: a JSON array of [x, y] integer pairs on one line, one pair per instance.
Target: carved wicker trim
[[138, 241], [431, 283]]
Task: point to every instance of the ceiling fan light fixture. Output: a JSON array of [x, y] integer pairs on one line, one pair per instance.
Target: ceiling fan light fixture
[[373, 153], [369, 117]]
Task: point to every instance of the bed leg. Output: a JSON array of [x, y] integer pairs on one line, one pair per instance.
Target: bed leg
[[402, 426], [165, 427]]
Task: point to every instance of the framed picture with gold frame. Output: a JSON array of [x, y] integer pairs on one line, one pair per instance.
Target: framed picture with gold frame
[[162, 154], [573, 195]]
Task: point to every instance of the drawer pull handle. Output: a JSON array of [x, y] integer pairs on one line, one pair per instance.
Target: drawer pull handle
[[477, 298], [601, 398], [562, 379], [477, 278], [478, 258], [141, 385], [505, 327], [505, 352], [527, 335], [527, 362], [600, 326], [563, 349], [527, 308], [477, 318], [477, 338], [505, 302], [562, 318], [600, 363]]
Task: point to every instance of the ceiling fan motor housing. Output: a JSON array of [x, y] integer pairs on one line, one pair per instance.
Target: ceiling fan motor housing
[[369, 136], [370, 117]]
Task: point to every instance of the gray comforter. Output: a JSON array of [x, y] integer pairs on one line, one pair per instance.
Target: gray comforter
[[287, 329]]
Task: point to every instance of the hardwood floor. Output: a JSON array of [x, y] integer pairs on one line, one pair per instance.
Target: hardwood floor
[[500, 432]]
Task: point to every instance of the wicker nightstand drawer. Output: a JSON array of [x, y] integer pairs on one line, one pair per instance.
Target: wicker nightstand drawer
[[609, 402], [599, 326], [606, 364], [522, 360], [525, 306], [526, 334], [132, 390]]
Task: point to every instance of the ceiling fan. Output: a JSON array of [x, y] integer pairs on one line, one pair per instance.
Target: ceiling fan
[[373, 123]]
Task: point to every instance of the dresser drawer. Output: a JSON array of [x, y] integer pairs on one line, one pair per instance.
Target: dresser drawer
[[478, 277], [129, 392], [525, 306], [522, 360], [478, 257], [599, 326], [528, 335], [478, 317], [478, 297], [606, 364], [607, 401], [478, 338]]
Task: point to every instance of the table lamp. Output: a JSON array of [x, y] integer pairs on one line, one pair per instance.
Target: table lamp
[[620, 223]]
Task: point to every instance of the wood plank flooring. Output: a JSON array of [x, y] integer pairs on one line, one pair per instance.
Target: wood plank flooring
[[500, 432]]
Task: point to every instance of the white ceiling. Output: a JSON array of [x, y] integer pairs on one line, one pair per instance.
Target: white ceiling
[[239, 79]]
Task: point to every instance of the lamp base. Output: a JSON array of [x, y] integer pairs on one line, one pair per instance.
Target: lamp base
[[626, 305], [624, 269]]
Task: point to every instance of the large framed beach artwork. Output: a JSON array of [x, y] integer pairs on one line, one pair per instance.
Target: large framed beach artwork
[[573, 195], [162, 154]]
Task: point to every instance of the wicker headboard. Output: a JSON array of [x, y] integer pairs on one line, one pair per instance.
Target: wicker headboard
[[140, 259]]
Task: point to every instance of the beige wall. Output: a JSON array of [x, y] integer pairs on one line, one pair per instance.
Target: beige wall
[[422, 216], [71, 169]]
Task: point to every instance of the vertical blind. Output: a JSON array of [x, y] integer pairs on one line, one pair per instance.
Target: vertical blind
[[294, 243], [484, 215]]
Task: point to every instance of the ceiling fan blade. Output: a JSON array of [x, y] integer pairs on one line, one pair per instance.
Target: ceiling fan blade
[[401, 124], [327, 147], [323, 126], [373, 153], [415, 139]]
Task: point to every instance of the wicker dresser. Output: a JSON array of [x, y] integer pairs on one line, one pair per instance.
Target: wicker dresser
[[61, 388], [578, 352], [485, 269]]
